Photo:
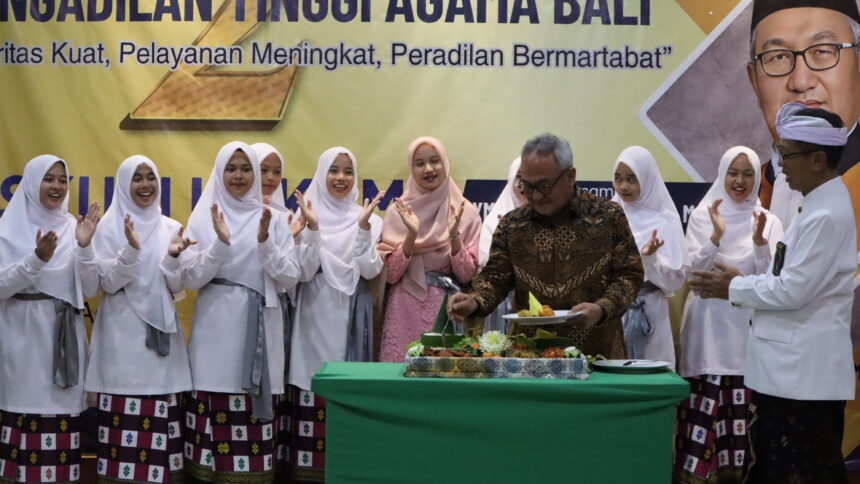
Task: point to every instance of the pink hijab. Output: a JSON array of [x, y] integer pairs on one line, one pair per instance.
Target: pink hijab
[[432, 246]]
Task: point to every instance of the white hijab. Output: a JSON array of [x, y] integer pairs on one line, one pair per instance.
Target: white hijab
[[24, 217], [506, 202], [276, 201], [243, 219], [736, 246], [654, 209], [147, 293], [338, 220]]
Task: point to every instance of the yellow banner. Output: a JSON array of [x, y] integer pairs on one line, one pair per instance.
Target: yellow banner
[[95, 81]]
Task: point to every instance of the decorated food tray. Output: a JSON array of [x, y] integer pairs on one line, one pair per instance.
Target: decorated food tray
[[496, 367], [495, 355]]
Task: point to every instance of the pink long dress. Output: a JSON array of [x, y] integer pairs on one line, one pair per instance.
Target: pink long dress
[[406, 316]]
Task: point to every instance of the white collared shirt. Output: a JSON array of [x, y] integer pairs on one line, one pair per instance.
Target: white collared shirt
[[800, 340]]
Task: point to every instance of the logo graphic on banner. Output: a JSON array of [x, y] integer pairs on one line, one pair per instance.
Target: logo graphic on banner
[[201, 98]]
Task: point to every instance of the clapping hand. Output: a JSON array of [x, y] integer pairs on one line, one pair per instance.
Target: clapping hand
[[652, 245], [297, 225], [130, 234], [45, 245], [87, 224], [219, 225], [307, 211], [263, 230], [717, 221], [179, 244], [454, 215], [367, 210], [760, 219], [410, 220]]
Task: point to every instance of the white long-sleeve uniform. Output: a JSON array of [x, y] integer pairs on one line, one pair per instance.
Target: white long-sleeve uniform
[[218, 327], [714, 333], [27, 339], [119, 361], [660, 345], [322, 314]]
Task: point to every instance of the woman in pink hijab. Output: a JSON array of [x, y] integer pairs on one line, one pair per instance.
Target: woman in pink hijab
[[431, 232]]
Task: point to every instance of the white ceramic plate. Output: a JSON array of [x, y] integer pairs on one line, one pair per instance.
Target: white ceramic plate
[[561, 316], [631, 366]]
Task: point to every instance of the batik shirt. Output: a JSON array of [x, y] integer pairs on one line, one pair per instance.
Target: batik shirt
[[585, 254]]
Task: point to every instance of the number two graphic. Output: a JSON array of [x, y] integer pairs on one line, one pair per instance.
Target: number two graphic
[[198, 98]]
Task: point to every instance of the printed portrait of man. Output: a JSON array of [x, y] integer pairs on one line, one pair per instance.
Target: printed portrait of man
[[806, 52], [728, 98]]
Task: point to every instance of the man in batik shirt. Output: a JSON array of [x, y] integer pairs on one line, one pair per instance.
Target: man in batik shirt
[[568, 247]]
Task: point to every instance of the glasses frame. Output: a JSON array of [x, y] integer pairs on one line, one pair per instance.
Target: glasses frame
[[545, 188], [786, 156], [794, 53]]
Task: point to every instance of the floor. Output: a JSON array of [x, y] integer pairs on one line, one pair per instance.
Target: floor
[[88, 472]]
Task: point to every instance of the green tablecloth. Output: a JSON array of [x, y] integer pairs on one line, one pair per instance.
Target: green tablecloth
[[382, 427]]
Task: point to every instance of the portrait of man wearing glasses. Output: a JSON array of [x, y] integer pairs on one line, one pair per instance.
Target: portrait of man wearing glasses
[[807, 51], [569, 248]]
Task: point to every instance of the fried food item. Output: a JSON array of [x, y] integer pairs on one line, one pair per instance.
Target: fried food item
[[554, 352], [535, 309], [521, 353]]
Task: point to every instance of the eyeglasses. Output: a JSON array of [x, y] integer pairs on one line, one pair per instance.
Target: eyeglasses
[[784, 156], [544, 187], [818, 57]]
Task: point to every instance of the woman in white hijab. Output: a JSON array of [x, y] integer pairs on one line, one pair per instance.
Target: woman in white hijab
[[729, 226], [333, 318], [47, 267], [138, 363], [511, 198], [271, 177], [272, 171], [236, 344], [656, 226]]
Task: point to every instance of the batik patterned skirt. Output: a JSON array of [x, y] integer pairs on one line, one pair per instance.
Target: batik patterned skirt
[[224, 443], [712, 443], [140, 439], [40, 448], [307, 443], [283, 442]]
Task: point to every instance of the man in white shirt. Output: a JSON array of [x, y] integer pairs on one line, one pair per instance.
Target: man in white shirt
[[799, 357]]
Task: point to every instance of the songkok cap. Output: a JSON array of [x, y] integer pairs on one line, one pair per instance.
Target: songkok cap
[[809, 129], [763, 8]]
